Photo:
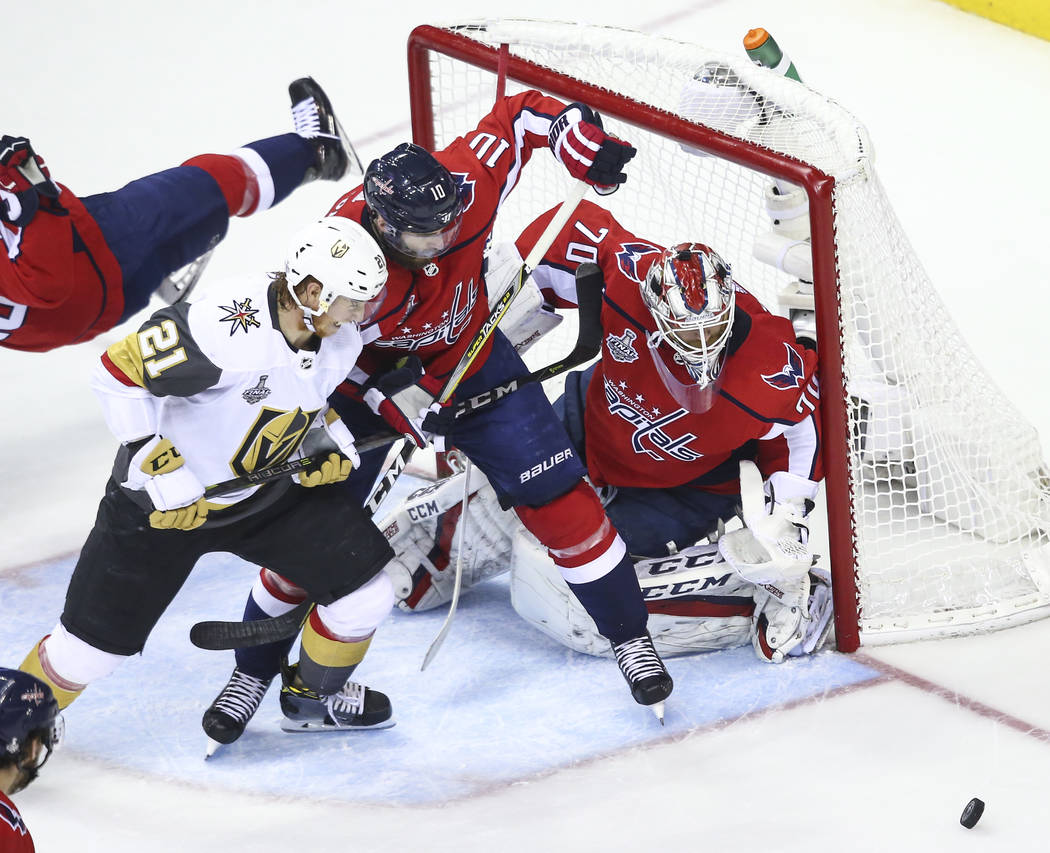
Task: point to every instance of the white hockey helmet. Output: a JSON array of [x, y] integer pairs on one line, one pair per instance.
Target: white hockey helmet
[[690, 292], [346, 261]]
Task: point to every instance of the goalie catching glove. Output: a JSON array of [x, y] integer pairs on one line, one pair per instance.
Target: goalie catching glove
[[773, 547], [158, 469], [406, 398], [576, 138]]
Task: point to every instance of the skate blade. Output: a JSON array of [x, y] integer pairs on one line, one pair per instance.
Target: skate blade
[[213, 746], [658, 709], [317, 726]]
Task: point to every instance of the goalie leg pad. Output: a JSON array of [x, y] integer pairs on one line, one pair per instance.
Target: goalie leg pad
[[422, 532], [694, 601]]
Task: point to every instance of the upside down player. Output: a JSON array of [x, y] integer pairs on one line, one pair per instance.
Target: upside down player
[[76, 267], [433, 215], [30, 729], [694, 377], [233, 384]]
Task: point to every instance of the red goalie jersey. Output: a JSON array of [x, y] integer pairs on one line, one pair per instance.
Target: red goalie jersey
[[637, 433], [434, 312]]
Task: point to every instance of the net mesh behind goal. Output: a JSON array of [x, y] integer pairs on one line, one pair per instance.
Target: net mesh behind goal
[[939, 500]]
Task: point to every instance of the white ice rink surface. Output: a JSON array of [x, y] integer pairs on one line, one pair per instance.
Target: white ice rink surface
[[507, 742]]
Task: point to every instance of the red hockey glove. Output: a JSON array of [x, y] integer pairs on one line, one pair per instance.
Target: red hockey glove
[[24, 179], [406, 398], [576, 138]]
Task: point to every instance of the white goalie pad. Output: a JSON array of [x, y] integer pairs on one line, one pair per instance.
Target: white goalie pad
[[422, 532], [673, 587], [528, 319]]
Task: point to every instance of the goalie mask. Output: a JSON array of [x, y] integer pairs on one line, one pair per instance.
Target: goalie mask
[[348, 264], [690, 293], [415, 202]]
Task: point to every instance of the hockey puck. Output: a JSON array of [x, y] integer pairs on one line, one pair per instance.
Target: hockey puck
[[972, 813]]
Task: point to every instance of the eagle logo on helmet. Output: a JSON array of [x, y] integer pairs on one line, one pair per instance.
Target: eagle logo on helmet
[[790, 375]]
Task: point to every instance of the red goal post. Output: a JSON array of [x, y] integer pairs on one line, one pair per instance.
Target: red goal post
[[711, 144]]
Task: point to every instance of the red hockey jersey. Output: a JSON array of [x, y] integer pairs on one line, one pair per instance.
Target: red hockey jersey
[[435, 312], [637, 434], [59, 282], [14, 836]]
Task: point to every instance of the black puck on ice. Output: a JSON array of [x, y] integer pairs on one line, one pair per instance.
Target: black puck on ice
[[972, 813]]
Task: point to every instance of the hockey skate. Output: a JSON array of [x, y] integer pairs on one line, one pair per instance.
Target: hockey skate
[[236, 704], [645, 673], [315, 121], [353, 707]]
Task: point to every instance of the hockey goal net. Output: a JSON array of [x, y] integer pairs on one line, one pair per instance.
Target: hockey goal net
[[938, 499]]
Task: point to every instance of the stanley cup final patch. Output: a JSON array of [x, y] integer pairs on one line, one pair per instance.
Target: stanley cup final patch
[[257, 392], [622, 348]]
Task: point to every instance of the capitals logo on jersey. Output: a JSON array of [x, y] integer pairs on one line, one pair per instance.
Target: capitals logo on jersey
[[790, 375], [629, 256], [649, 425], [622, 348], [452, 324]]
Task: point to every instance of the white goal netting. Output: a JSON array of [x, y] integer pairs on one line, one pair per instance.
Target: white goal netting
[[946, 492]]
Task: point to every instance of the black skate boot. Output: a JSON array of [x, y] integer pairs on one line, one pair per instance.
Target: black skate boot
[[646, 674], [315, 121], [236, 703], [353, 707]]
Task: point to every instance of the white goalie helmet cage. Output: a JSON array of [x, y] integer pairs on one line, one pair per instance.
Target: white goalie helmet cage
[[344, 258], [689, 291]]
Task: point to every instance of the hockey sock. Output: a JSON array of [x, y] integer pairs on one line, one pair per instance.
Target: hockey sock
[[261, 661], [271, 596], [327, 661], [614, 601], [280, 163]]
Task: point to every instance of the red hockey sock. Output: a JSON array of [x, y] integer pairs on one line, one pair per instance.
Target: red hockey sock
[[238, 183]]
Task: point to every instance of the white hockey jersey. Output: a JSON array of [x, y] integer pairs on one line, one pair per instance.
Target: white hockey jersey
[[218, 378]]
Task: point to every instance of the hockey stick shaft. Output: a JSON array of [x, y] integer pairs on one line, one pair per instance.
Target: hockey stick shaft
[[292, 466], [457, 585]]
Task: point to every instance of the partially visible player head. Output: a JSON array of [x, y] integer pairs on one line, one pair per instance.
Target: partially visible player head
[[335, 273], [689, 291], [30, 728], [415, 204]]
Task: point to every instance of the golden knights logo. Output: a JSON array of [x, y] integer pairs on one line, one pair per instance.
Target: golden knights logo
[[271, 440], [258, 392], [240, 315], [622, 348]]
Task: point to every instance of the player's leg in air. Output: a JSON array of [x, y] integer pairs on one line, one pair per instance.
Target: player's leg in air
[[158, 224]]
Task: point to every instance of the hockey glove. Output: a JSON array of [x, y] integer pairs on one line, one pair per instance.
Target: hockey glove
[[406, 398], [334, 469], [576, 138], [25, 181], [158, 469], [774, 545], [333, 444], [792, 620]]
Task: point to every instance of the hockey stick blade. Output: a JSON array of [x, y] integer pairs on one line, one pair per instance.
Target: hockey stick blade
[[219, 636], [590, 284]]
